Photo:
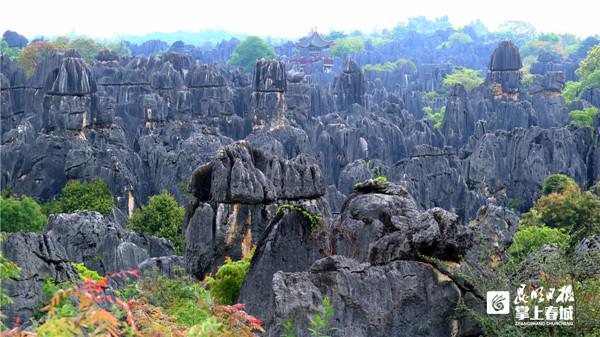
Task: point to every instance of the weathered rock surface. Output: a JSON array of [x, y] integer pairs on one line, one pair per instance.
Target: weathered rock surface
[[98, 242], [40, 257], [236, 195], [402, 298]]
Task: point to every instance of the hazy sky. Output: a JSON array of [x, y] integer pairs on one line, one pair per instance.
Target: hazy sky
[[110, 18]]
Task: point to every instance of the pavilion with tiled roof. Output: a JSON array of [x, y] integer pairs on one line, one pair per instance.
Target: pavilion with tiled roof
[[314, 43]]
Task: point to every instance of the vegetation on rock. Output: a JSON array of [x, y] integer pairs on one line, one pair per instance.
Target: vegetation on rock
[[250, 50], [163, 217], [85, 196], [21, 215]]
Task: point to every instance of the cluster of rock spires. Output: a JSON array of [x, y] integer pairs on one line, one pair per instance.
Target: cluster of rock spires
[[253, 144]]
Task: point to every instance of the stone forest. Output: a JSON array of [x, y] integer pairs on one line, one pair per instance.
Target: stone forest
[[341, 184]]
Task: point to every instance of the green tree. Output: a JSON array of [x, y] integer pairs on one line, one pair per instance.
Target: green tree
[[590, 64], [21, 215], [345, 47], [584, 117], [455, 39], [6, 50], [436, 117], [468, 77], [34, 53], [87, 48], [86, 196], [120, 48], [557, 183], [531, 238], [8, 270], [163, 217], [249, 51]]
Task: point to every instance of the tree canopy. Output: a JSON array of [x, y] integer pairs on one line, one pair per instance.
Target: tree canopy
[[21, 215], [348, 46], [468, 77], [249, 51], [85, 196], [163, 217]]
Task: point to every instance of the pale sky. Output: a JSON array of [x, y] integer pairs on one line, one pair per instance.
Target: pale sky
[[110, 18]]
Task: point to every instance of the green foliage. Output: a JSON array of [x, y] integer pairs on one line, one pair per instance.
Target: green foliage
[[422, 25], [21, 215], [466, 76], [571, 92], [8, 51], [120, 48], [347, 46], [436, 117], [87, 48], [85, 196], [8, 270], [288, 328], [35, 52], [557, 183], [572, 210], [85, 273], [584, 117], [161, 217], [515, 204], [208, 327], [382, 179], [590, 64], [320, 322], [406, 65], [529, 239], [518, 31], [455, 39], [589, 76], [226, 284], [249, 51], [313, 220]]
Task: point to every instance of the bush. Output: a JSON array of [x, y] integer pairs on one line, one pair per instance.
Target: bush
[[162, 217], [557, 183], [406, 65], [584, 117], [466, 76], [226, 284], [21, 215], [8, 270], [347, 46], [436, 117], [249, 51], [531, 238], [90, 196]]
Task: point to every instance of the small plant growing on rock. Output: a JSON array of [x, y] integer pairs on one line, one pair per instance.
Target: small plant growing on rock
[[320, 322], [313, 220], [226, 284]]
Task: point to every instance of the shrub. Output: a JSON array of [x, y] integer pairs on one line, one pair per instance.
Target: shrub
[[8, 270], [90, 315], [86, 196], [466, 76], [85, 273], [557, 183], [21, 215], [583, 117], [347, 46], [249, 51], [162, 217], [531, 238], [436, 117], [405, 64], [226, 284], [313, 220], [320, 322]]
